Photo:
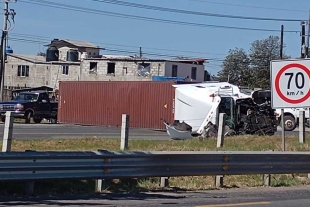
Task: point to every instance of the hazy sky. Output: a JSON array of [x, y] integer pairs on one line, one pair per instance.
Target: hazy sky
[[35, 25]]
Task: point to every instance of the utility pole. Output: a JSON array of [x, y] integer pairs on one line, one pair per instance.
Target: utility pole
[[7, 13], [140, 52], [303, 42], [281, 43], [308, 37], [282, 110]]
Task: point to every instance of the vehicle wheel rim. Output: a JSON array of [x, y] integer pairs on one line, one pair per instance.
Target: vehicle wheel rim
[[289, 123]]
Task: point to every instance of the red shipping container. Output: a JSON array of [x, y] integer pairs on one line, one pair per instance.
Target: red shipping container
[[102, 103]]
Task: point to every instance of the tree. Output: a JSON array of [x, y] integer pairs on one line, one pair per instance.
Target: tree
[[261, 53], [236, 68]]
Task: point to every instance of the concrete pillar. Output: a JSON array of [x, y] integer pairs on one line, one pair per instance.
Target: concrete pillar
[[124, 132], [8, 131]]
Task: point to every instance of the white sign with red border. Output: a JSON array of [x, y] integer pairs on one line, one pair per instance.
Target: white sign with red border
[[290, 83]]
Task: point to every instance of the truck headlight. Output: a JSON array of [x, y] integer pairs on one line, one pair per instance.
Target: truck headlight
[[19, 107]]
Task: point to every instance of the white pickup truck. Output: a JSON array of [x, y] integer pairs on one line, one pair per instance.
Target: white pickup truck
[[291, 117]]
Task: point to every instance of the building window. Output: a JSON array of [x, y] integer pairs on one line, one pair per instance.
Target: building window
[[111, 68], [174, 71], [23, 71], [93, 66], [65, 69], [125, 70], [194, 73], [144, 69]]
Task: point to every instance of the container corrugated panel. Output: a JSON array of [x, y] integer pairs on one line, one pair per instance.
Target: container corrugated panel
[[103, 103]]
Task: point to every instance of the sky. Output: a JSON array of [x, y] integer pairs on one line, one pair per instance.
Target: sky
[[36, 25]]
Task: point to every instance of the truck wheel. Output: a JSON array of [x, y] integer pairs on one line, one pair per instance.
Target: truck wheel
[[289, 123], [28, 117], [37, 120], [53, 121]]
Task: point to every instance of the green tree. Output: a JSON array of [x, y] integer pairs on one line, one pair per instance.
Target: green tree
[[235, 68], [261, 53]]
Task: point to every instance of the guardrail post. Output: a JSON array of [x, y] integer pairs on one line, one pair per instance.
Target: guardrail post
[[302, 130], [124, 132], [29, 185], [29, 188], [164, 182], [267, 179], [8, 131], [221, 130], [219, 179], [101, 185]]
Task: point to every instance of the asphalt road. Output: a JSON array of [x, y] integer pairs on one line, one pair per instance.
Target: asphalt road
[[260, 197], [59, 131]]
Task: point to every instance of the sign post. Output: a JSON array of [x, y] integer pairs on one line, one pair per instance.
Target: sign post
[[290, 87], [283, 129]]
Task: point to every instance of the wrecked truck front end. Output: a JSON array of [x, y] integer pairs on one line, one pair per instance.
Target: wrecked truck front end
[[253, 118], [262, 98]]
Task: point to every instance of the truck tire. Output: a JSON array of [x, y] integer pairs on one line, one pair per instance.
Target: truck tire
[[37, 120], [289, 123], [53, 121], [28, 117]]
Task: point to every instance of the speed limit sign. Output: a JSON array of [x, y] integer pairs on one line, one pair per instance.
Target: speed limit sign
[[290, 84]]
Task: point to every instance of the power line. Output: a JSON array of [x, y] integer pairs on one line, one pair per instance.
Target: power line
[[181, 11], [120, 45], [31, 39], [247, 6], [127, 16], [124, 51], [210, 61], [36, 39]]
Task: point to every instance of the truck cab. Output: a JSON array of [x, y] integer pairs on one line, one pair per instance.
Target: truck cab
[[31, 105]]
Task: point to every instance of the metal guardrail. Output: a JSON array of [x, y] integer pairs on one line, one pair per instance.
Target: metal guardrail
[[31, 165]]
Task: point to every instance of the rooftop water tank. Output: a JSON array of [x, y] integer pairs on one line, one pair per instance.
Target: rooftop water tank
[[84, 55], [52, 54], [8, 50], [73, 55]]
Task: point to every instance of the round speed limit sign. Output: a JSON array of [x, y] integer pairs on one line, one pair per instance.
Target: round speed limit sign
[[291, 85]]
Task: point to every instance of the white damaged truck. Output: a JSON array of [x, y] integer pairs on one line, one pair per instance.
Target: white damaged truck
[[199, 106]]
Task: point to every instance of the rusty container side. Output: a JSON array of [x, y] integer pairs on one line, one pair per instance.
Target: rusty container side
[[103, 103]]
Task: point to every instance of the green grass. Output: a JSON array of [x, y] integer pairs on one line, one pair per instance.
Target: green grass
[[241, 143]]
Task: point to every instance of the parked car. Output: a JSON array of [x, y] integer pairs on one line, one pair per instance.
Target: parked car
[[26, 105]]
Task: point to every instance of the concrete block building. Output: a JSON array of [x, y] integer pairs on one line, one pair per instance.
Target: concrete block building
[[71, 60], [61, 63], [23, 71], [128, 68]]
